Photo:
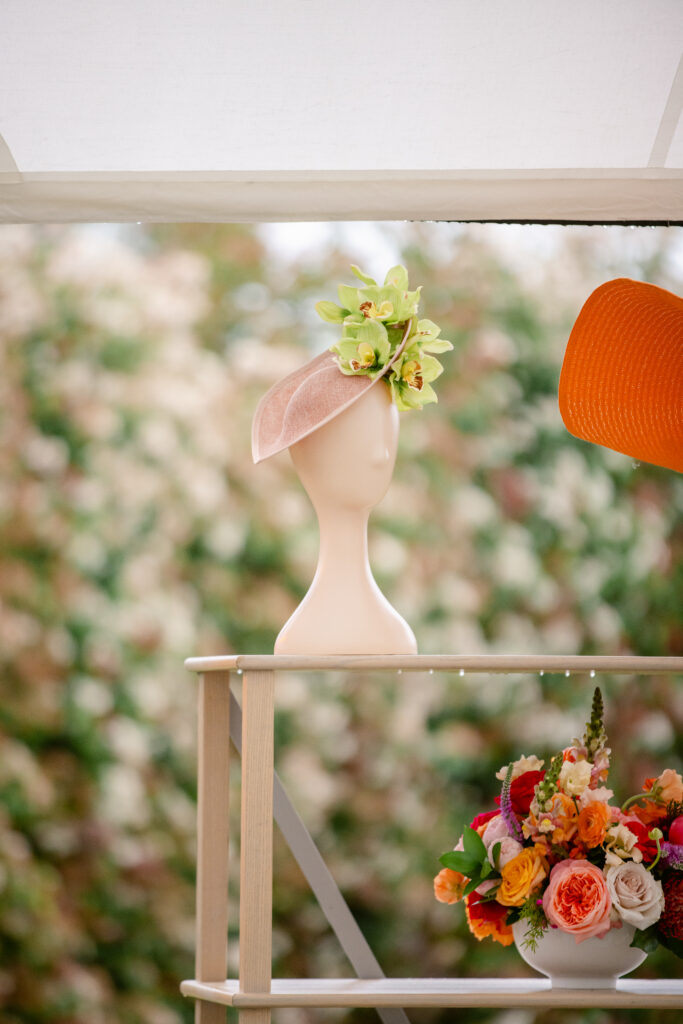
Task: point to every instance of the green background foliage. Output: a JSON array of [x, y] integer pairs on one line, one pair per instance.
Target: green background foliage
[[135, 531]]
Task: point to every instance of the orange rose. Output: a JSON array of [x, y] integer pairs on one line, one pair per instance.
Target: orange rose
[[449, 886], [521, 876], [592, 823], [486, 919]]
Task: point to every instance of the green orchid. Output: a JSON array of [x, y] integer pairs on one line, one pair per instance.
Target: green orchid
[[374, 322]]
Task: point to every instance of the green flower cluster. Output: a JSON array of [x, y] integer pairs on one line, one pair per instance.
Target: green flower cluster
[[381, 329]]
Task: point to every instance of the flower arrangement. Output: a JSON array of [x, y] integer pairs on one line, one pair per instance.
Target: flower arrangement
[[375, 320], [558, 853]]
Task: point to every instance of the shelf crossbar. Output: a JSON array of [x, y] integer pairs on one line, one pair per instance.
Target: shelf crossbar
[[510, 664], [442, 992]]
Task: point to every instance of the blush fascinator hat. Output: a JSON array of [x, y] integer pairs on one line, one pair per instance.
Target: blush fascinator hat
[[382, 340], [306, 400], [621, 383]]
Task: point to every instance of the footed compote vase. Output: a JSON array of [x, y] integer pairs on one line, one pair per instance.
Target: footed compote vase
[[593, 963]]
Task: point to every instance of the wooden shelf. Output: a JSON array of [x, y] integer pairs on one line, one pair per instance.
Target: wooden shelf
[[488, 663], [254, 994], [445, 992]]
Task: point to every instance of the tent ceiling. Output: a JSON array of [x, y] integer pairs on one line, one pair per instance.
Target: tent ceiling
[[368, 108]]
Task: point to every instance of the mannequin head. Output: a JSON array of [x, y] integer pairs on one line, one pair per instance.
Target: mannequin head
[[348, 462]]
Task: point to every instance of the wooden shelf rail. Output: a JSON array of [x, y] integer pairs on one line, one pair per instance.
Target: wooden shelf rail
[[445, 992], [255, 992], [509, 664]]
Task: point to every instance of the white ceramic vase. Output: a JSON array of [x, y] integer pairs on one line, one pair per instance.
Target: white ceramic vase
[[593, 963]]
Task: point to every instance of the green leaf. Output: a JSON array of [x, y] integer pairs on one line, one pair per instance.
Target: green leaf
[[440, 345], [397, 277], [348, 372], [431, 368], [427, 330], [346, 350], [674, 945], [648, 939], [427, 395], [409, 399], [471, 886], [407, 305], [486, 869], [349, 297], [375, 333], [474, 845], [495, 854], [363, 277], [456, 860], [330, 312]]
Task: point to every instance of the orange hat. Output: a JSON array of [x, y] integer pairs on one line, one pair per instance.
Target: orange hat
[[307, 399], [621, 383]]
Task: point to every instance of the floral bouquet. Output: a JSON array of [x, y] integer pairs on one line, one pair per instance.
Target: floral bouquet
[[374, 322], [558, 853]]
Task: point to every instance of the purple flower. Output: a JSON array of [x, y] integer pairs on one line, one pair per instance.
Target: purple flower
[[506, 811], [672, 855]]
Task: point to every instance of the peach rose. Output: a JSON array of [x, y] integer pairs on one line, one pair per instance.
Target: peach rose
[[669, 786], [449, 886], [592, 823], [521, 876], [577, 899]]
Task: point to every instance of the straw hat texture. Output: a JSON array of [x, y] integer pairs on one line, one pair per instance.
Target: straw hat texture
[[621, 383], [307, 399]]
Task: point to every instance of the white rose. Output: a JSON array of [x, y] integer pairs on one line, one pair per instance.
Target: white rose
[[575, 776], [620, 845], [637, 897], [519, 767], [509, 848], [592, 796]]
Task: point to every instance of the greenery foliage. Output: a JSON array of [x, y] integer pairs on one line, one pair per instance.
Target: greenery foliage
[[135, 531]]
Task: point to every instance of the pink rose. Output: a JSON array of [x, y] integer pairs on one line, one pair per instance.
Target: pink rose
[[509, 848], [496, 831], [577, 899]]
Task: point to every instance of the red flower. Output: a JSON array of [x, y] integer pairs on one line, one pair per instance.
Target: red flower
[[647, 846], [671, 921], [483, 817], [487, 919], [522, 792]]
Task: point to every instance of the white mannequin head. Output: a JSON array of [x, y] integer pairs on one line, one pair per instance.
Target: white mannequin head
[[348, 462], [346, 468]]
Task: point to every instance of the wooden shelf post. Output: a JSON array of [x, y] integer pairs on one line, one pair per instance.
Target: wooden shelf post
[[256, 855], [213, 791]]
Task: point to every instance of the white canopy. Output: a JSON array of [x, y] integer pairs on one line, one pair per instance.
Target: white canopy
[[231, 110]]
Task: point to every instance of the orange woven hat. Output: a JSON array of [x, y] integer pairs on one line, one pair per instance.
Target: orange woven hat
[[621, 383], [306, 400]]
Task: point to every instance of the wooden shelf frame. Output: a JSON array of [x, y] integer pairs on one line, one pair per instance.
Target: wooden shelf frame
[[255, 993], [443, 992]]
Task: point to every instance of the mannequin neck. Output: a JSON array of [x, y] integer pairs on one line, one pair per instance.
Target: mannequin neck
[[343, 551]]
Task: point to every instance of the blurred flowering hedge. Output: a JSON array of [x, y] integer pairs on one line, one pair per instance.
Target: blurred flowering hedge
[[135, 531]]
